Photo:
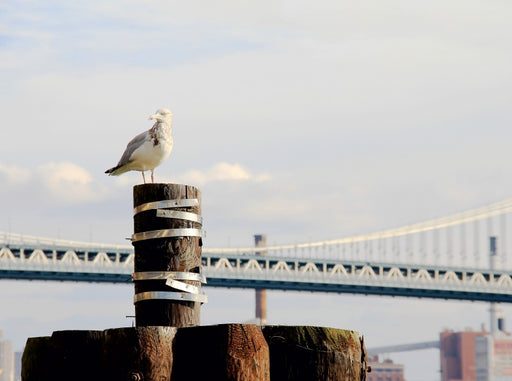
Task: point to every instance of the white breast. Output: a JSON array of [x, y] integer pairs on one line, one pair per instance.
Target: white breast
[[148, 156]]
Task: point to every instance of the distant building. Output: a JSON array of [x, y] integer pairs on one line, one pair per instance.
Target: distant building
[[385, 371], [493, 357], [17, 365], [458, 355], [6, 360]]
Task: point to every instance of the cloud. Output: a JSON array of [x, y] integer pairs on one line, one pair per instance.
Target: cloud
[[223, 172], [69, 182], [15, 174]]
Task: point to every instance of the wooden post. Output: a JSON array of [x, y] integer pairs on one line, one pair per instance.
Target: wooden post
[[167, 242], [66, 355], [315, 353], [141, 353], [226, 352]]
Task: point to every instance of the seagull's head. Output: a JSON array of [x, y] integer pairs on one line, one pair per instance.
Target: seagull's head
[[162, 115]]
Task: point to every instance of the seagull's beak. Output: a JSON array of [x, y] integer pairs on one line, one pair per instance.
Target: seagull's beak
[[155, 116]]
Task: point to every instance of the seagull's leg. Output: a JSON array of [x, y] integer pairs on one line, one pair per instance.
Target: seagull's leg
[[152, 178], [143, 177]]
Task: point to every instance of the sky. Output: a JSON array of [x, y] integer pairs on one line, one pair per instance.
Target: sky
[[301, 120]]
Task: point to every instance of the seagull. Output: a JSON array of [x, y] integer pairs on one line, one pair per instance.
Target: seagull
[[149, 149]]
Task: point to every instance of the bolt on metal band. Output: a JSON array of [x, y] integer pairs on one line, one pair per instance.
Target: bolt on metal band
[[171, 279], [166, 295], [167, 233], [186, 202], [177, 214], [185, 287]]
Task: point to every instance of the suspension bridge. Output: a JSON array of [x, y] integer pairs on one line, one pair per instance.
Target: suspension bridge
[[448, 258]]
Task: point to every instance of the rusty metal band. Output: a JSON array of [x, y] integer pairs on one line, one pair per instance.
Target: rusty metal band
[[181, 203], [166, 295], [164, 275], [167, 233], [179, 215]]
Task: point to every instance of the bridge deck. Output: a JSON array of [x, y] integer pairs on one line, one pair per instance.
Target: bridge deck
[[114, 264]]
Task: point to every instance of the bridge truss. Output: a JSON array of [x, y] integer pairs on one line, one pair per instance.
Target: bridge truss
[[251, 270]]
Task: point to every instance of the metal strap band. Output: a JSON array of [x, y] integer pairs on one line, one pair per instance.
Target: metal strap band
[[165, 295], [185, 202], [166, 213], [183, 286], [167, 233], [163, 275]]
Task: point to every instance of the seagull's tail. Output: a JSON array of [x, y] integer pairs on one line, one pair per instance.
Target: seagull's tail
[[115, 171]]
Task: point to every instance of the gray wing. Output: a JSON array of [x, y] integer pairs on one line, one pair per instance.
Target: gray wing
[[135, 143]]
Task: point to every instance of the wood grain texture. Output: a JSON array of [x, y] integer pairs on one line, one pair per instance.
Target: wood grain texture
[[226, 352], [314, 354], [141, 353], [165, 254], [62, 355]]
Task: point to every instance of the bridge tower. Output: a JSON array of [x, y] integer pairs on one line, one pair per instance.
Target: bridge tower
[[497, 321], [260, 241]]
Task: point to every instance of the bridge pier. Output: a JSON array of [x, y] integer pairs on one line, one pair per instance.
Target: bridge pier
[[260, 241]]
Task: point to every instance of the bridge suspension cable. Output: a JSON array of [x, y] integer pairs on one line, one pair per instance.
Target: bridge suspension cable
[[28, 240], [434, 255], [492, 210], [354, 246]]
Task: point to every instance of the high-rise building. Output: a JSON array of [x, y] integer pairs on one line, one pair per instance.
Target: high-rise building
[[458, 355], [6, 360], [493, 357], [386, 370]]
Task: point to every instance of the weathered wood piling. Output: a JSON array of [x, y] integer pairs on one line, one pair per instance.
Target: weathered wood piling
[[167, 242], [315, 353], [167, 343], [226, 352]]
